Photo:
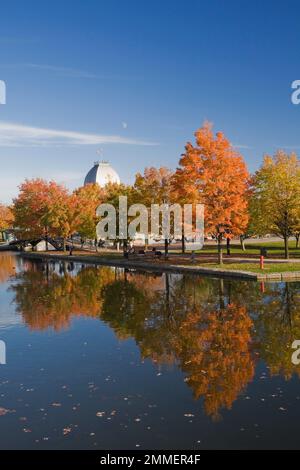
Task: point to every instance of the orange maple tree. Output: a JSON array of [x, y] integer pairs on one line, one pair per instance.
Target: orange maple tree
[[213, 173], [154, 187], [88, 198], [44, 209], [6, 217]]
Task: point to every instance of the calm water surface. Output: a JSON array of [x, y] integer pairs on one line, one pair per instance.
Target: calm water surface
[[99, 358]]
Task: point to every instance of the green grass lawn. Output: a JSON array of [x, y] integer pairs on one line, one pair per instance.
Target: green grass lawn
[[273, 248], [254, 268], [250, 266]]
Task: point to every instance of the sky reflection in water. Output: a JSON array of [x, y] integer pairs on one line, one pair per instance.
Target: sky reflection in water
[[106, 359]]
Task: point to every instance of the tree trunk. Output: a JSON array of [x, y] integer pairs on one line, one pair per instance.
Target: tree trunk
[[182, 240], [297, 240], [166, 248], [64, 244], [46, 239], [286, 247], [242, 240], [167, 287], [228, 246], [220, 252], [221, 294]]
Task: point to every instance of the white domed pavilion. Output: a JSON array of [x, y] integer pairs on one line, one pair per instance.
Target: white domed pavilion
[[102, 173]]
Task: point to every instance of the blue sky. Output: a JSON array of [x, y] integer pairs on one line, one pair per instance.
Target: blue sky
[[132, 80]]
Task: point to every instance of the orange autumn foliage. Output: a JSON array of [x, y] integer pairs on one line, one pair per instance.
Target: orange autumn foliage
[[41, 207], [46, 299], [45, 208], [213, 173], [88, 198], [217, 358], [7, 267], [6, 217]]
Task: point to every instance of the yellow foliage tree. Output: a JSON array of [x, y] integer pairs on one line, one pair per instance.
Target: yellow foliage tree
[[275, 204]]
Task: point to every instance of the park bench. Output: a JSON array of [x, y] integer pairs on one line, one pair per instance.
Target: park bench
[[145, 255]]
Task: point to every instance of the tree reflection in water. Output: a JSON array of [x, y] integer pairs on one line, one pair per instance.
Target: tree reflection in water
[[8, 266], [48, 295], [213, 330]]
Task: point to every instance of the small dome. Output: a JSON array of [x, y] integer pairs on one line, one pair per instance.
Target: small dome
[[102, 173]]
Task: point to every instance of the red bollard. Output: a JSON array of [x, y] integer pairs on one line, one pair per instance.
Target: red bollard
[[261, 262]]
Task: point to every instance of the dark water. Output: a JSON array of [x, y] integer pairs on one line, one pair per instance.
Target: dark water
[[99, 358]]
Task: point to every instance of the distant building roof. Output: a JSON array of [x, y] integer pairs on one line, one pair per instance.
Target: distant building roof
[[102, 173]]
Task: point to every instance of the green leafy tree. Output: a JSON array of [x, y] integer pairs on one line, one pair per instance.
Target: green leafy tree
[[275, 204]]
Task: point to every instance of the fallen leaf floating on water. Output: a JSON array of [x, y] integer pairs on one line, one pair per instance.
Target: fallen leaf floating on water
[[100, 414]]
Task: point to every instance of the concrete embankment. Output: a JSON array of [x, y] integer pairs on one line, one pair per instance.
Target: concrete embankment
[[160, 266], [4, 247]]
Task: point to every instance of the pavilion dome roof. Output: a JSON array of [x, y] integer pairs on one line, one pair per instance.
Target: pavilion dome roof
[[102, 173]]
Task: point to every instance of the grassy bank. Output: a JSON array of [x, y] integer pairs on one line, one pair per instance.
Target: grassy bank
[[273, 249], [254, 268]]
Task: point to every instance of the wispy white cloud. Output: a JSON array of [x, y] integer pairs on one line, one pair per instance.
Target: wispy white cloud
[[241, 146], [65, 71], [18, 135], [68, 71]]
